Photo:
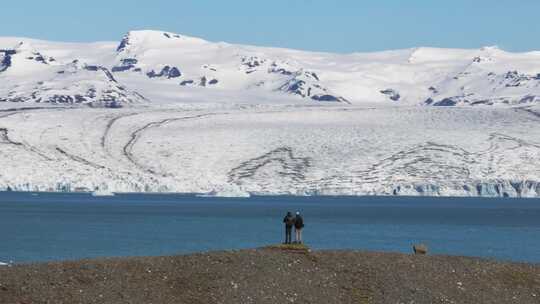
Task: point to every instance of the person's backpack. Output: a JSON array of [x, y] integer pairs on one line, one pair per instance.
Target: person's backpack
[[299, 222]]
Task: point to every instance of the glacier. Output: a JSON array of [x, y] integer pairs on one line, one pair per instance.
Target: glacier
[[163, 112]]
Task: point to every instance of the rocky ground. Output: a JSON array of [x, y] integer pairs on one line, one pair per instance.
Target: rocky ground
[[273, 275]]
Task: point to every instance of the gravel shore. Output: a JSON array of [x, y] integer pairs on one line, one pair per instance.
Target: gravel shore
[[273, 275]]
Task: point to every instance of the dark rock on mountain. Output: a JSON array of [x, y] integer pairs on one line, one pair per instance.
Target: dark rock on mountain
[[330, 98], [392, 94], [129, 61], [308, 88], [123, 44], [38, 57], [108, 74], [276, 69], [209, 68], [5, 59], [166, 71], [91, 93], [312, 74], [167, 35], [174, 73], [203, 81], [79, 98], [64, 99], [117, 69], [13, 99], [95, 68], [296, 87], [515, 79], [251, 64], [281, 71], [529, 99], [480, 59], [92, 68], [446, 102], [481, 102], [126, 65], [9, 52]]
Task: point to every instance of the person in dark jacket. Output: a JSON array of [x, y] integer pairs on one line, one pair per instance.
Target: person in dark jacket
[[289, 223], [298, 226]]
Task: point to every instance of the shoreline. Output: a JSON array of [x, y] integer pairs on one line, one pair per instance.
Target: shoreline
[[254, 195], [271, 247], [273, 275]]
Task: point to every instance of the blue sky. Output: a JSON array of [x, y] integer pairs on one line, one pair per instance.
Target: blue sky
[[337, 26]]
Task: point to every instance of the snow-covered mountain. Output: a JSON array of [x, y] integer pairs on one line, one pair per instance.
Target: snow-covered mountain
[[150, 66], [159, 111]]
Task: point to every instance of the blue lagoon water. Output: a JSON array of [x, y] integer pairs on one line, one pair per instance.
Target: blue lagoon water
[[44, 227]]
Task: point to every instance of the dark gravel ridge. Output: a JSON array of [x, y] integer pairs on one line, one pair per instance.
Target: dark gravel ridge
[[273, 276]]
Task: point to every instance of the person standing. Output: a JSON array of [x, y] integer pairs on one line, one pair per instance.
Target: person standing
[[289, 223], [298, 226]]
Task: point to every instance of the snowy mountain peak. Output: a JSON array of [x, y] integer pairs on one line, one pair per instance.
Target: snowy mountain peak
[[148, 39], [23, 46]]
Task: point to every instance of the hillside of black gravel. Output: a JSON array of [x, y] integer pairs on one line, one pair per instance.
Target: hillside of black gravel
[[273, 275]]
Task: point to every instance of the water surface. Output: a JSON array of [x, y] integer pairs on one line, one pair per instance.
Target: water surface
[[45, 227]]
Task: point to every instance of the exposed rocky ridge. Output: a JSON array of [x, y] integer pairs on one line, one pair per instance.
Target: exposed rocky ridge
[[73, 84], [481, 86]]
